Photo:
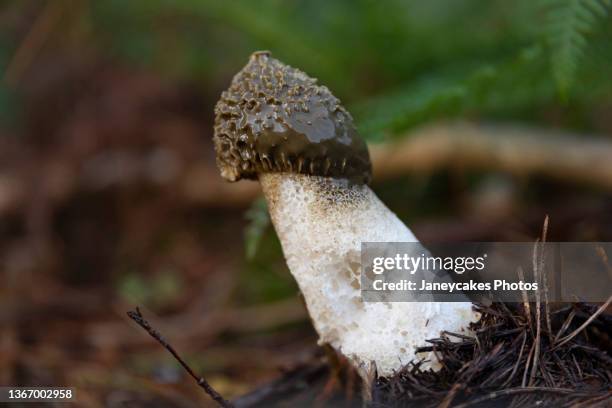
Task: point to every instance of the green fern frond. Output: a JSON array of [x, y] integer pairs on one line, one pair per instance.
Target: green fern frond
[[568, 24], [448, 93], [412, 104]]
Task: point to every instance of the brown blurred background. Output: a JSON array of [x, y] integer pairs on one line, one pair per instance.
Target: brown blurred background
[[482, 117]]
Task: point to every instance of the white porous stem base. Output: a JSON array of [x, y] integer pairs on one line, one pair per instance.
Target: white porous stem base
[[321, 223]]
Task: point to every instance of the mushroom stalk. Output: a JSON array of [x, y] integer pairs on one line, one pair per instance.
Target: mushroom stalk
[[275, 124], [321, 223]]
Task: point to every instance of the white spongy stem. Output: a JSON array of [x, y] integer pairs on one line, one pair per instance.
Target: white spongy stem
[[321, 223]]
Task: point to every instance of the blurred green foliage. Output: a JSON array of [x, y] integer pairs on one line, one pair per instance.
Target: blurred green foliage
[[396, 63], [264, 277], [157, 291], [567, 28], [258, 221]]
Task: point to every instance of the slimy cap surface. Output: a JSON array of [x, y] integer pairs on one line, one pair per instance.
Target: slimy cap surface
[[275, 118]]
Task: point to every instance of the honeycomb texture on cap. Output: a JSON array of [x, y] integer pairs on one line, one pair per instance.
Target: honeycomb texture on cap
[[275, 118]]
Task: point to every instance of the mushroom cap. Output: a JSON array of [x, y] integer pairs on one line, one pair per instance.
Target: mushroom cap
[[275, 118]]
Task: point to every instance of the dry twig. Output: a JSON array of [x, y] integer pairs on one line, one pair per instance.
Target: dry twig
[[137, 317]]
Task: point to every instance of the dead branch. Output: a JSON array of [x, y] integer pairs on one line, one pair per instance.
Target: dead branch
[[137, 317], [521, 151], [517, 150]]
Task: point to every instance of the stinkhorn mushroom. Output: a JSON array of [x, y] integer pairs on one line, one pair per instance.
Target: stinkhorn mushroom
[[277, 125]]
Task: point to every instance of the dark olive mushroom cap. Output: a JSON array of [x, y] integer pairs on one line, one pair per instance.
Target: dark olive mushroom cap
[[275, 118]]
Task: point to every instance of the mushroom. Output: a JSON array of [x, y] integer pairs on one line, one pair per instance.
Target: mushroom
[[277, 125]]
